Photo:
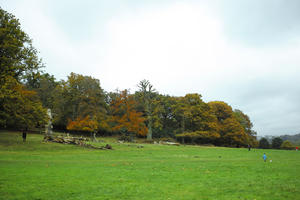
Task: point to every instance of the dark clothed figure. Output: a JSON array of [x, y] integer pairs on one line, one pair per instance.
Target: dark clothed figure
[[24, 135]]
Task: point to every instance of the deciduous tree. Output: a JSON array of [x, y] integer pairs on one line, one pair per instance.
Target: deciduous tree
[[276, 142], [231, 131], [287, 145], [264, 143], [84, 124], [20, 108], [147, 93], [125, 118], [44, 84], [79, 96], [18, 56]]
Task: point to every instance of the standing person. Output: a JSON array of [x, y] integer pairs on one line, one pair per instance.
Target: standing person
[[296, 148], [24, 135], [249, 147], [265, 157]]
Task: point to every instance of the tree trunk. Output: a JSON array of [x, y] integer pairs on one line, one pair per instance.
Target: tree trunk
[[182, 125], [93, 136], [148, 111], [149, 134]]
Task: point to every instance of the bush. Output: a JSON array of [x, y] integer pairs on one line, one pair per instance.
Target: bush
[[148, 141], [287, 145], [126, 138]]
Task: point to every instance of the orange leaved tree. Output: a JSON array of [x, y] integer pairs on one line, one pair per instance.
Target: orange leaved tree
[[125, 118], [84, 124]]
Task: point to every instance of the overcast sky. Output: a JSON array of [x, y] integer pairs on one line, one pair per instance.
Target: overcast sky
[[243, 52]]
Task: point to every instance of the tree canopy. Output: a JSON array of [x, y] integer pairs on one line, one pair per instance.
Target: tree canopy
[[264, 143], [276, 142], [18, 56], [80, 104], [125, 118], [19, 107]]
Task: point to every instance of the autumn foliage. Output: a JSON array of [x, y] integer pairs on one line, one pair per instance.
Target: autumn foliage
[[125, 118], [20, 108], [80, 104], [83, 124]]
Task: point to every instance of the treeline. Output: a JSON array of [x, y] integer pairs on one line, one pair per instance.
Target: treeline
[[276, 143], [295, 139], [79, 103]]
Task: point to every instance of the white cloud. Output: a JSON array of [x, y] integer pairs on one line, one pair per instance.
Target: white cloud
[[183, 48], [60, 54], [168, 46]]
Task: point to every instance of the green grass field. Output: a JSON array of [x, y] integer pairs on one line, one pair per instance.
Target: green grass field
[[36, 170]]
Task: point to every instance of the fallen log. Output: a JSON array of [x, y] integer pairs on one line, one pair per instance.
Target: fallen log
[[169, 143], [75, 141]]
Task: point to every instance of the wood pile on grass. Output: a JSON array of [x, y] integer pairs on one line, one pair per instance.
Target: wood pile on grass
[[81, 141]]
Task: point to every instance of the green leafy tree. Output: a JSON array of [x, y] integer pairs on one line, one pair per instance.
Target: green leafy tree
[[44, 85], [79, 96], [18, 56], [198, 124], [169, 126], [247, 125], [264, 143], [19, 107], [276, 142], [197, 115]]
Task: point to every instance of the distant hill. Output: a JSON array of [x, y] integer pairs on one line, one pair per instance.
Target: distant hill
[[295, 139], [292, 138]]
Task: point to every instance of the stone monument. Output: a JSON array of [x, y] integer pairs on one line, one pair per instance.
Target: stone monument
[[48, 126]]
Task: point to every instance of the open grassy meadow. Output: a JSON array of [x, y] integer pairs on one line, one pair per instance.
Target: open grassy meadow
[[37, 170]]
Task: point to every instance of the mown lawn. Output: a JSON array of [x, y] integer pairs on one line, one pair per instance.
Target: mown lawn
[[36, 170]]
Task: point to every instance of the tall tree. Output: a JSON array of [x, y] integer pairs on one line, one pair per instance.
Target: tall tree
[[79, 96], [197, 113], [147, 93], [247, 125], [18, 56], [264, 143], [231, 131], [244, 120], [198, 124], [125, 118], [19, 108], [169, 126], [276, 142], [44, 84]]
